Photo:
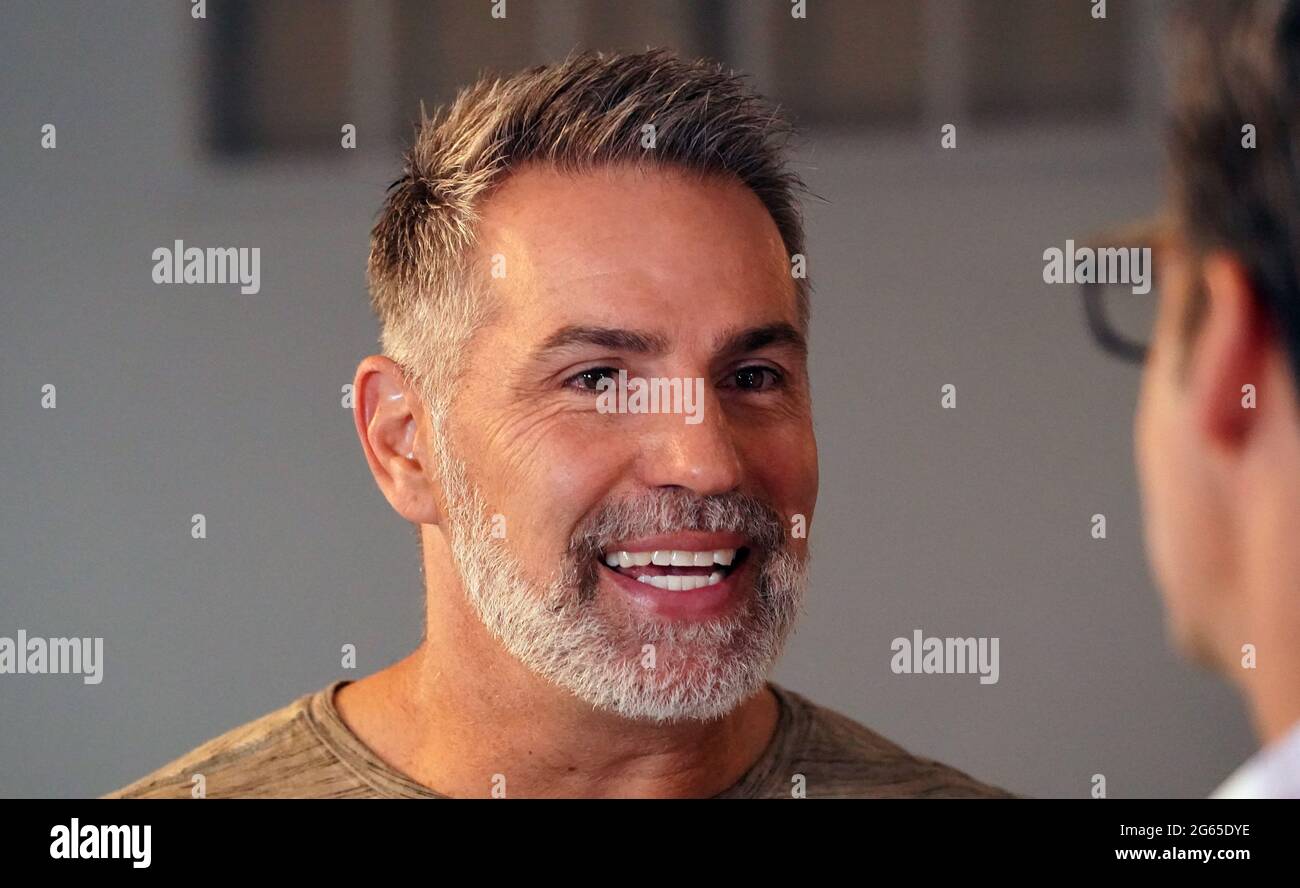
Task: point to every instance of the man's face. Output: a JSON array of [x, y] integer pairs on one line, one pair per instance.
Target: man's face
[[668, 278], [1183, 517]]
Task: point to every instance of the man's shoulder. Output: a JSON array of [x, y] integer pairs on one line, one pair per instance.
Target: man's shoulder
[[280, 754], [841, 758]]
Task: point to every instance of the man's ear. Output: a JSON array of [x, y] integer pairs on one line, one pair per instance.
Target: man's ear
[[393, 427], [1230, 352]]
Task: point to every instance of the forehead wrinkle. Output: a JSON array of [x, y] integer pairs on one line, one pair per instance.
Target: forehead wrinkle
[[547, 270]]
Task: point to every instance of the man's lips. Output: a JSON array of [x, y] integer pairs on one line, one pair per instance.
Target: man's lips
[[682, 593], [679, 562], [683, 574]]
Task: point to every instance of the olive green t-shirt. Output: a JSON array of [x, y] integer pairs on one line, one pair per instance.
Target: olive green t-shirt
[[305, 750]]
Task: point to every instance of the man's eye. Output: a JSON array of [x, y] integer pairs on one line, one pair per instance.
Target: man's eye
[[756, 378], [589, 380]]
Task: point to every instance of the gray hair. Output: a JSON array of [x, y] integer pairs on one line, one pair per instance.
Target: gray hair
[[590, 110]]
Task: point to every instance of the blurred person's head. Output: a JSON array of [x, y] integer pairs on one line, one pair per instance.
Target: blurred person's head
[[611, 213], [1218, 426]]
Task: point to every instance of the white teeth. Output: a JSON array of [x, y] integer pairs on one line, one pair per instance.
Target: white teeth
[[675, 558], [671, 558], [678, 583]]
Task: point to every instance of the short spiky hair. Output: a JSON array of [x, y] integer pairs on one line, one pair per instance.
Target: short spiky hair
[[590, 110]]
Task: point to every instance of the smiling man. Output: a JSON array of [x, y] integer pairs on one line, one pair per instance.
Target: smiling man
[[607, 590]]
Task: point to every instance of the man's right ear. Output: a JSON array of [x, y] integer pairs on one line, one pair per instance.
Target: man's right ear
[[391, 422]]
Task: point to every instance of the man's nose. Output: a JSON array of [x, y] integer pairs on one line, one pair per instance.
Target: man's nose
[[700, 457]]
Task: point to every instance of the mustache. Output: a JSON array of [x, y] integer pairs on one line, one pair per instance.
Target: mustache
[[667, 511]]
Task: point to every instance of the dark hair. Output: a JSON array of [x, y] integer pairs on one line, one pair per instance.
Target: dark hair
[[1238, 63]]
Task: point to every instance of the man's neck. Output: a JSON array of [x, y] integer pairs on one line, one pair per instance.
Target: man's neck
[[1267, 673], [1272, 689], [1261, 608], [464, 718]]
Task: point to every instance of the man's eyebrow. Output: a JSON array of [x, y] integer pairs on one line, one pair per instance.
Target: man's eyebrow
[[733, 342], [611, 338], [738, 342]]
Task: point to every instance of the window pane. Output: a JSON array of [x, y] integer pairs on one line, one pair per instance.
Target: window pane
[[692, 29], [1048, 58], [443, 45], [850, 62], [276, 75]]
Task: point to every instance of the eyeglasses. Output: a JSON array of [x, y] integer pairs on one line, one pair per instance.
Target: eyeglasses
[[1122, 322]]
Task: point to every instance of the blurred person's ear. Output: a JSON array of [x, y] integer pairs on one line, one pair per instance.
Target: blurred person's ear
[[1229, 351], [391, 423]]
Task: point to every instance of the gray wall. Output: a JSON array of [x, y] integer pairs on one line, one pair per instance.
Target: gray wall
[[176, 400]]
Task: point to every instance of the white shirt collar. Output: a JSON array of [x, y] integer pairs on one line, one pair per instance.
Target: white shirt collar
[[1272, 773]]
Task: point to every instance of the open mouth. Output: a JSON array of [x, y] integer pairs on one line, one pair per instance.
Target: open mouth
[[677, 570]]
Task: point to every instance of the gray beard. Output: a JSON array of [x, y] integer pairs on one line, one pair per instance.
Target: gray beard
[[618, 660]]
